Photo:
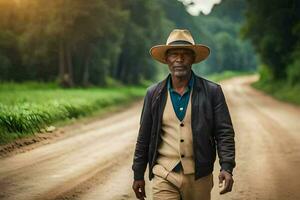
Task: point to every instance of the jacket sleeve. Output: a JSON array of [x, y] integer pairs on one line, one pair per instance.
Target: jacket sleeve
[[223, 131], [140, 159]]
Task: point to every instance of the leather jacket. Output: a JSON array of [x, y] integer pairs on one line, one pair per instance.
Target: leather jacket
[[212, 129]]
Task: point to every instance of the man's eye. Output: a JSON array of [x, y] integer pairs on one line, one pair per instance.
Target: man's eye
[[188, 54]]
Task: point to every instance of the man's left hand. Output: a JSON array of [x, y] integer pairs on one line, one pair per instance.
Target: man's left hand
[[224, 175]]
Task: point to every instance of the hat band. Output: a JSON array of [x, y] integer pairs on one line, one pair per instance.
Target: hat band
[[180, 42]]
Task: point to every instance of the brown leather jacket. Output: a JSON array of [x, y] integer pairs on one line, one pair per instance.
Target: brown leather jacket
[[211, 128]]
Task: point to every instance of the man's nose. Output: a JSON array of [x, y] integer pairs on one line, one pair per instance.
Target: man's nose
[[179, 58]]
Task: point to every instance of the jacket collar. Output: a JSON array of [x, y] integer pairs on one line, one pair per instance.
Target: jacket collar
[[164, 83], [190, 83]]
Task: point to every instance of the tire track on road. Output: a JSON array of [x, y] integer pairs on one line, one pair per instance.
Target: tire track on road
[[70, 165], [267, 145]]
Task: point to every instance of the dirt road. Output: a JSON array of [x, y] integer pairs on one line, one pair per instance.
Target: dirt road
[[96, 163]]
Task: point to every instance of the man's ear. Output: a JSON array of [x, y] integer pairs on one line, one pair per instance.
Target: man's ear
[[166, 56]]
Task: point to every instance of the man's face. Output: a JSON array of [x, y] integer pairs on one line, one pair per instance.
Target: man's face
[[180, 61]]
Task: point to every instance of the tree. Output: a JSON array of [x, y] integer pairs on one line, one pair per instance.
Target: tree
[[269, 26], [145, 26]]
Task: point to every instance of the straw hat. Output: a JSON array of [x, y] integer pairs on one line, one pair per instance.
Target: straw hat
[[180, 38]]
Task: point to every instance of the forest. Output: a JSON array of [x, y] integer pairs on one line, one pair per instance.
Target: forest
[[80, 43]]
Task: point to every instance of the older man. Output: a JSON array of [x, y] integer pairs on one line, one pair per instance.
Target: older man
[[184, 121]]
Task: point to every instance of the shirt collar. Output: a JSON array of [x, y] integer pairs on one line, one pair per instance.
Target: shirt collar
[[190, 84]]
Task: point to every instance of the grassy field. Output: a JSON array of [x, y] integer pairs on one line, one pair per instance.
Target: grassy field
[[27, 108], [280, 90]]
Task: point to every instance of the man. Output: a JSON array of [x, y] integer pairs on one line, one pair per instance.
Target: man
[[184, 121]]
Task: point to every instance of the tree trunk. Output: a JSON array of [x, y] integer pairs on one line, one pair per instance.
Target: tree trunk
[[62, 67], [69, 66], [65, 65], [86, 73]]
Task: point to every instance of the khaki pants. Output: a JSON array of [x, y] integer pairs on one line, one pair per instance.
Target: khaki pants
[[176, 185]]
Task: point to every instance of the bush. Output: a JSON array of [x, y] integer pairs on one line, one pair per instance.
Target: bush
[[293, 70]]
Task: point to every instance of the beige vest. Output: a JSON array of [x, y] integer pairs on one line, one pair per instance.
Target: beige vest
[[177, 141]]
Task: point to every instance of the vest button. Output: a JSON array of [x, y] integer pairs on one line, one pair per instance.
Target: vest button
[[181, 124], [182, 140], [182, 156]]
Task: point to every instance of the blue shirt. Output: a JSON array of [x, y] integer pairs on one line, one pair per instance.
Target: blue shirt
[[179, 102]]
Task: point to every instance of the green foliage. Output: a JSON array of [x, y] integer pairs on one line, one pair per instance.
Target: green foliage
[[135, 64], [293, 69], [280, 89], [230, 10], [272, 28], [28, 85], [81, 44], [265, 73], [229, 58], [220, 31]]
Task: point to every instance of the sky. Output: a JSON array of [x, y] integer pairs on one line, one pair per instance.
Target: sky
[[203, 6]]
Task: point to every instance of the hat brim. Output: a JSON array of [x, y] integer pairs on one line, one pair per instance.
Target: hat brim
[[158, 52]]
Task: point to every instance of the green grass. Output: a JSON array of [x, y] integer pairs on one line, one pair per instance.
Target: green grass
[[226, 75], [280, 90], [27, 108]]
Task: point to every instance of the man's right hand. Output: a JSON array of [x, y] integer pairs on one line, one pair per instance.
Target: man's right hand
[[138, 187]]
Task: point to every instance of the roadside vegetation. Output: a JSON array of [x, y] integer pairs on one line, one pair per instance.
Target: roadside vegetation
[[280, 89], [216, 77], [29, 107], [274, 32]]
